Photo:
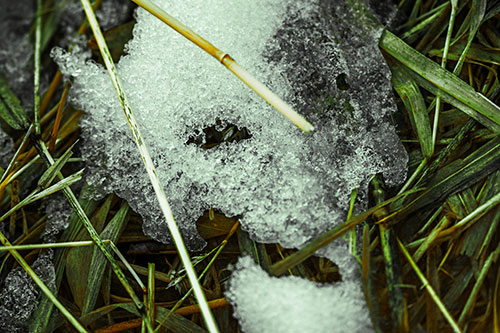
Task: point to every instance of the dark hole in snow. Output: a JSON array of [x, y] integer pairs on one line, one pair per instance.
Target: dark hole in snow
[[341, 81], [211, 137]]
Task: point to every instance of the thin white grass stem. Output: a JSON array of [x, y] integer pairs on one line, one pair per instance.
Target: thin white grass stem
[[18, 151], [230, 63], [42, 285], [151, 170], [36, 76], [443, 64], [50, 245], [430, 290]]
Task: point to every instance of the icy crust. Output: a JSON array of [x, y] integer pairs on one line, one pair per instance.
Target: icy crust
[[287, 185], [19, 295], [6, 149], [291, 304], [58, 211]]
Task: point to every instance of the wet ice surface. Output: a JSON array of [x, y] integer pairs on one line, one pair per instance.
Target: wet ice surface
[[292, 304], [288, 186], [19, 294]]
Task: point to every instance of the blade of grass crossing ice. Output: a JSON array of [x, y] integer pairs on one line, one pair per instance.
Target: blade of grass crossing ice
[[230, 63], [151, 170]]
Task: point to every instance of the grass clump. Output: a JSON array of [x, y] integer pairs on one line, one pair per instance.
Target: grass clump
[[428, 251]]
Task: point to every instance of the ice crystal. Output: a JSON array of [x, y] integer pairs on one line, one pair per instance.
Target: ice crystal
[[287, 185], [292, 304], [19, 296], [15, 48], [6, 149], [58, 211]]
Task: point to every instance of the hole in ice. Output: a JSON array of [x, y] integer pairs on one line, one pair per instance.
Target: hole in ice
[[341, 81], [211, 136]]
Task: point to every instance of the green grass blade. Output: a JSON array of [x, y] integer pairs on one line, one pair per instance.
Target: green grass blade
[[61, 185], [478, 10], [480, 107], [430, 290], [477, 165], [150, 168], [414, 102], [48, 176], [44, 153], [448, 98], [10, 106], [296, 258], [18, 151], [98, 264], [51, 245], [36, 76], [392, 269], [40, 320], [451, 23], [78, 260]]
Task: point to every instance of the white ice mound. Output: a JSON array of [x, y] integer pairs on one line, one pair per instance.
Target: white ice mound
[[291, 304], [288, 186]]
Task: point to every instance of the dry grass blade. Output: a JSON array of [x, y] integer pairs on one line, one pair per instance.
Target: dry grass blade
[[148, 163], [230, 63]]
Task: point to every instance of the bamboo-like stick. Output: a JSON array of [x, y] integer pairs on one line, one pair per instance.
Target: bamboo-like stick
[[230, 64]]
